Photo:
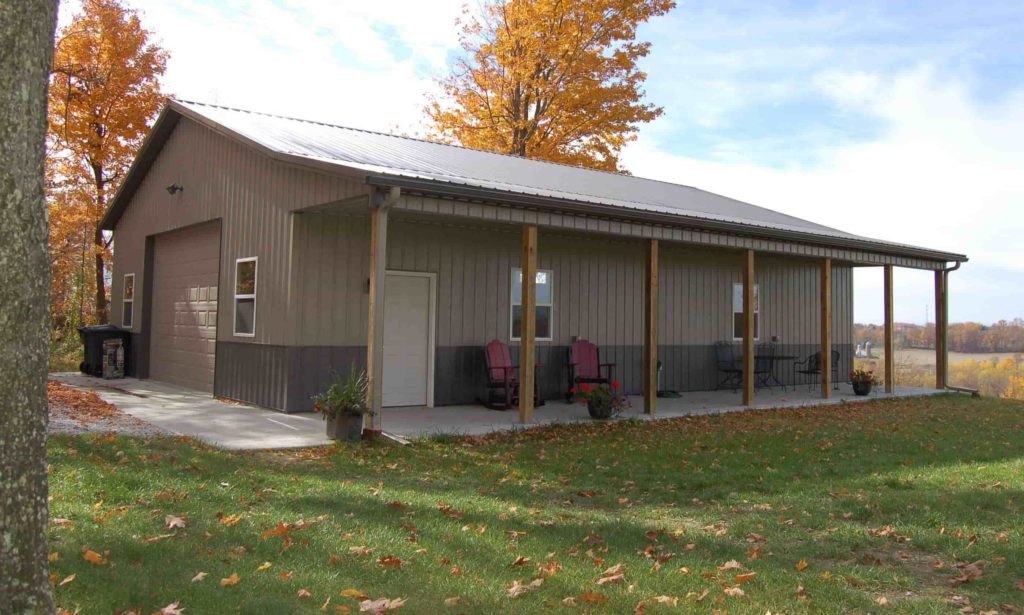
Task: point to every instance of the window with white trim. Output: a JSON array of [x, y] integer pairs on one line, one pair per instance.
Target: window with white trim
[[737, 312], [245, 296], [545, 304], [128, 301]]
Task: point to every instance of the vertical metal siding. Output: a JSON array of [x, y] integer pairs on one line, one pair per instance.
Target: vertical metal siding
[[598, 290], [251, 193]]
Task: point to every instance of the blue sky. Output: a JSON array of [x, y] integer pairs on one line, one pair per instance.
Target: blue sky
[[898, 120]]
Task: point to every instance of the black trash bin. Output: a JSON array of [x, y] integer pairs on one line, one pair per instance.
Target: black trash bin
[[92, 338]]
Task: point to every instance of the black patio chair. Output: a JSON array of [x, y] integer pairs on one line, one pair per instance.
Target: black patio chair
[[726, 361], [811, 368], [764, 362]]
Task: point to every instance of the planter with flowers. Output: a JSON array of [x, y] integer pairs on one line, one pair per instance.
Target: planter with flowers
[[343, 406], [603, 401], [862, 381]]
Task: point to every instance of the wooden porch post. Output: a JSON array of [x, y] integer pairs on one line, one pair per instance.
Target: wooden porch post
[[890, 334], [379, 205], [527, 337], [748, 328], [651, 327], [941, 324], [826, 328]]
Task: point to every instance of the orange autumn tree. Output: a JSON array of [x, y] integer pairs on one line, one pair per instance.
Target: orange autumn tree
[[104, 93], [549, 79]]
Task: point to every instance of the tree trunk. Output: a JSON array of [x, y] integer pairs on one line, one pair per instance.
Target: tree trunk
[[26, 51], [101, 290]]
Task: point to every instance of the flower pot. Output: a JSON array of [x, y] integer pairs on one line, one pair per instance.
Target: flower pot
[[600, 409], [347, 427], [861, 388]]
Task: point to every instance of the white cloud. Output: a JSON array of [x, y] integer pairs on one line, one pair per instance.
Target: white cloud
[[946, 175]]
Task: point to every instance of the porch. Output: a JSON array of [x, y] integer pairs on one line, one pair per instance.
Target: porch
[[477, 273], [475, 420]]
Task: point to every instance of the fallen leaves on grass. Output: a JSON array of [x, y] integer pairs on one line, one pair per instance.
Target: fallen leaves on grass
[[231, 580], [263, 566], [593, 598], [172, 609], [304, 593], [66, 580], [389, 561], [801, 565], [200, 576], [735, 591], [743, 578], [354, 593], [968, 572], [173, 521], [549, 569], [615, 574], [229, 520], [381, 605], [94, 558], [518, 588]]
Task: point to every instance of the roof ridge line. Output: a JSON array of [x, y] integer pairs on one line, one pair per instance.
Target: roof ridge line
[[452, 145]]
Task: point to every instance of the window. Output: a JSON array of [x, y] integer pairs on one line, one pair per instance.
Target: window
[[545, 301], [128, 301], [245, 296], [737, 312]]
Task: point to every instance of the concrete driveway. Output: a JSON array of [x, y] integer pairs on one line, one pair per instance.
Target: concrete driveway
[[181, 411]]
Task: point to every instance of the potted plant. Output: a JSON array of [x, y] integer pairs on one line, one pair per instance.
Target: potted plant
[[862, 381], [343, 406], [603, 401]]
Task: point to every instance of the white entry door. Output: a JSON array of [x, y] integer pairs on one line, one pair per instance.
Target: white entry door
[[408, 339]]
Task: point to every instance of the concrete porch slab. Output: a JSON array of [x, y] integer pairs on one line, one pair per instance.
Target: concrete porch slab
[[477, 420], [237, 426], [181, 411]]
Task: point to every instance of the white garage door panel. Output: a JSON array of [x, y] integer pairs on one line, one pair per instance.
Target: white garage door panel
[[184, 327]]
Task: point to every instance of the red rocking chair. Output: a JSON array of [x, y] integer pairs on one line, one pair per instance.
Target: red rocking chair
[[503, 379], [585, 366]]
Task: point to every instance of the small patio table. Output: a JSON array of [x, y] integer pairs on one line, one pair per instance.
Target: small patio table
[[773, 362], [772, 376]]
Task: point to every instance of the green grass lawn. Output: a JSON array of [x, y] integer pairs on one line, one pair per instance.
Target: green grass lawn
[[853, 508]]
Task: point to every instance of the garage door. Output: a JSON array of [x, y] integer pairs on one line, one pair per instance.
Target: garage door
[[184, 326]]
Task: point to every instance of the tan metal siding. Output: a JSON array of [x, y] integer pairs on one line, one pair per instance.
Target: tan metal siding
[[252, 194], [598, 285]]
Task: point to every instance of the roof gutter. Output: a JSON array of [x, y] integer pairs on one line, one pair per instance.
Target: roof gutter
[[445, 189]]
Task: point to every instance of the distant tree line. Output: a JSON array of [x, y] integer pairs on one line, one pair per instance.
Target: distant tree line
[[1003, 336]]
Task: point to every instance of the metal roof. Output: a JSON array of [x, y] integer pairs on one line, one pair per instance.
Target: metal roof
[[424, 163]]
